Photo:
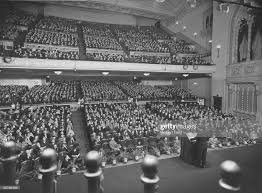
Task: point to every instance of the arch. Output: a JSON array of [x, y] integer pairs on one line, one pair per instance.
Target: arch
[[240, 14]]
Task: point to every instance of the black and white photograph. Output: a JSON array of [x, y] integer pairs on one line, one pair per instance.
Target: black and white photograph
[[131, 96]]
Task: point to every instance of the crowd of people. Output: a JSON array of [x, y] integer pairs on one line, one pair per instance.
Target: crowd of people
[[58, 91], [40, 36], [10, 94], [36, 128], [20, 18], [150, 59], [102, 43], [96, 90], [8, 32], [189, 60], [127, 131], [61, 91], [137, 38], [40, 53], [97, 29], [61, 32], [106, 57], [58, 24], [180, 46], [172, 92]]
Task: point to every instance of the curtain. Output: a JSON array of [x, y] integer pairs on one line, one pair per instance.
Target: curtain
[[243, 49], [257, 46]]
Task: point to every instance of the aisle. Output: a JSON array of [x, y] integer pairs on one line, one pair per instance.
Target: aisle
[[79, 125], [175, 176]]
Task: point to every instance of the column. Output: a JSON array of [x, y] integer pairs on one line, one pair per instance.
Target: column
[[250, 22], [227, 98], [259, 101], [235, 45], [253, 100]]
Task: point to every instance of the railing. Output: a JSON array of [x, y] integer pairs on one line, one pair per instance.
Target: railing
[[230, 172], [52, 64]]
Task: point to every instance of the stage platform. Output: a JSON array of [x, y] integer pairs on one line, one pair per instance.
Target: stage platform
[[175, 175]]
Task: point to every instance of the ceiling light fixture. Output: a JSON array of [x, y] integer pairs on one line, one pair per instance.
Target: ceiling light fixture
[[105, 73], [58, 72], [146, 74], [160, 1]]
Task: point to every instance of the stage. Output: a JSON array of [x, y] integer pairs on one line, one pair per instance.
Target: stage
[[175, 175]]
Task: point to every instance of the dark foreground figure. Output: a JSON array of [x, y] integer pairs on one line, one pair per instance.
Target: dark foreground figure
[[194, 150]]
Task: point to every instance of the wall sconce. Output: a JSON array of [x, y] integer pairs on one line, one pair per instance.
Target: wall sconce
[[195, 34], [218, 50]]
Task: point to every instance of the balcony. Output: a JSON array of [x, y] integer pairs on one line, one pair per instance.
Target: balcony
[[46, 64]]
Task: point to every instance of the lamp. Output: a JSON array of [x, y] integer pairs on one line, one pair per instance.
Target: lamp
[[105, 73], [218, 50], [58, 72]]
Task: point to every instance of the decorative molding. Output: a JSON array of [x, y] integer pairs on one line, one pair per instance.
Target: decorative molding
[[244, 70]]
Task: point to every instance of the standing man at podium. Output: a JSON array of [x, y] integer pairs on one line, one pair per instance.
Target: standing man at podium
[[201, 149]]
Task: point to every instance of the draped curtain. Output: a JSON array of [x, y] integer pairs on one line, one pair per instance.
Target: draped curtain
[[257, 46]]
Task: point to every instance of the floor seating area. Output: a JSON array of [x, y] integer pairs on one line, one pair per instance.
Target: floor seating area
[[62, 91]]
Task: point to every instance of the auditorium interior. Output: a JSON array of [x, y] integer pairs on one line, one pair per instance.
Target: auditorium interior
[[125, 96]]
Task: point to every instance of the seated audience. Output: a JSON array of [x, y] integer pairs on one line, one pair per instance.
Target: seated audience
[[11, 94], [101, 90], [57, 92], [25, 52]]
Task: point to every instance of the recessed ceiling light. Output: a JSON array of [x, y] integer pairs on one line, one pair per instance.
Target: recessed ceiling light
[[105, 73], [185, 75], [160, 1], [58, 72], [146, 74]]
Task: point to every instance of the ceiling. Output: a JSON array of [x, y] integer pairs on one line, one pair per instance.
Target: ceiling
[[144, 8]]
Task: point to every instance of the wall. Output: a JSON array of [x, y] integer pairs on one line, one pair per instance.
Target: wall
[[29, 82], [29, 7], [194, 22], [221, 36]]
